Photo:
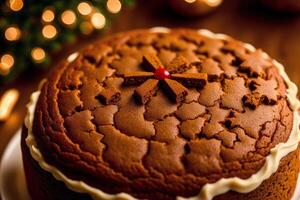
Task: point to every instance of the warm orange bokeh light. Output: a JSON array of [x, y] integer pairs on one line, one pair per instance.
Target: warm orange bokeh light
[[48, 15], [49, 31], [114, 6], [7, 103], [12, 33], [38, 54], [15, 5], [86, 28], [68, 17], [84, 8]]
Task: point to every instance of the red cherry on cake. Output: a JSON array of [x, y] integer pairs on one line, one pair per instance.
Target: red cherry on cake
[[161, 73]]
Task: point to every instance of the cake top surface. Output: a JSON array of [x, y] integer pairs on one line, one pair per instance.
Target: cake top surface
[[147, 111]]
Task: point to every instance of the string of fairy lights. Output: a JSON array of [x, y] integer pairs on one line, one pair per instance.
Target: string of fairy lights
[[58, 23], [31, 30]]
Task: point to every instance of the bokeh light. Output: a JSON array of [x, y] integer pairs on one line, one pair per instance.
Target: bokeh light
[[68, 17], [15, 5], [98, 20], [113, 6], [49, 31], [214, 3], [8, 102], [7, 60], [48, 15], [12, 33], [190, 1], [38, 54], [6, 63], [84, 8], [86, 28]]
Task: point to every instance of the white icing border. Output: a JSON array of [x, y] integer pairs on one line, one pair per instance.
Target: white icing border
[[209, 190]]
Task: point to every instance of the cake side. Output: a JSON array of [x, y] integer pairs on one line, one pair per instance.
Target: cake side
[[159, 152], [42, 184]]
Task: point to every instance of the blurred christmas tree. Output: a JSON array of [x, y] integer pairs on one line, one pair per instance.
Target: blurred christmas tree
[[31, 29]]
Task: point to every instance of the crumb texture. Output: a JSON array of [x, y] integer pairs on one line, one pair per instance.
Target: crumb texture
[[105, 118]]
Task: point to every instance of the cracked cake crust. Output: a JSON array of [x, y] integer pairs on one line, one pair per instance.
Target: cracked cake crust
[[225, 129]]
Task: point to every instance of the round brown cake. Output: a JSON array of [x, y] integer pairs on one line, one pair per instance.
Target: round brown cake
[[164, 114]]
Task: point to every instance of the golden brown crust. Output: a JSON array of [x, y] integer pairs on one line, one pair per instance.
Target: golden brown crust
[[280, 186], [176, 137]]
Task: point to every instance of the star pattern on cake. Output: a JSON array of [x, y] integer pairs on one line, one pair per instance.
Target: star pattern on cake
[[170, 78]]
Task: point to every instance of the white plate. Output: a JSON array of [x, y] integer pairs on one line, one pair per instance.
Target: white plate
[[12, 179]]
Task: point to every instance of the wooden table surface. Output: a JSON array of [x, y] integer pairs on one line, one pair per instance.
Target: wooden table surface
[[277, 34]]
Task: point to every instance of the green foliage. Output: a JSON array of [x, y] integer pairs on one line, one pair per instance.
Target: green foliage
[[29, 21]]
